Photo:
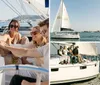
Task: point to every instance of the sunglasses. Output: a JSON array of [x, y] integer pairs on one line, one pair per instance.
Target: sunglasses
[[11, 26], [34, 33]]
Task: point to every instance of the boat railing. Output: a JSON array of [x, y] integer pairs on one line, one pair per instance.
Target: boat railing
[[37, 70], [54, 56], [74, 33], [91, 58]]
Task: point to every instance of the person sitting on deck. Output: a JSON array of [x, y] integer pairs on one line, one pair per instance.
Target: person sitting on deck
[[65, 55], [59, 51], [12, 36], [76, 56]]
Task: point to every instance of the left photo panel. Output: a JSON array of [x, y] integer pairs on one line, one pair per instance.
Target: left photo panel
[[24, 42]]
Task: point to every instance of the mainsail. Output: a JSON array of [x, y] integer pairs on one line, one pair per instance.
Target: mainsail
[[62, 19], [87, 48], [84, 48]]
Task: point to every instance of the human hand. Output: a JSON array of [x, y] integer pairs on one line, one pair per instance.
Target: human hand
[[24, 82], [2, 43]]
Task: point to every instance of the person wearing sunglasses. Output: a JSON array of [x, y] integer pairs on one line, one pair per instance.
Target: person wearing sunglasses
[[39, 52], [44, 28], [15, 36], [12, 36], [38, 40]]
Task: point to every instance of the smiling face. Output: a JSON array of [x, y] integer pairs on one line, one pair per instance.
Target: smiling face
[[35, 33], [44, 30], [13, 27]]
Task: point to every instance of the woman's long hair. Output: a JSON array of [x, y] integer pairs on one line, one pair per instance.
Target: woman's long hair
[[15, 21]]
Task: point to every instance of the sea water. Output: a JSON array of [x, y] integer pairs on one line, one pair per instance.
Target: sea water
[[84, 36], [89, 36]]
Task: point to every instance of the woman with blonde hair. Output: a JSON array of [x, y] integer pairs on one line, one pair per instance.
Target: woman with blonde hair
[[38, 40]]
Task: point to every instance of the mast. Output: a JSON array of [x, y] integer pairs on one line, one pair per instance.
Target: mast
[[65, 19], [61, 13], [57, 22]]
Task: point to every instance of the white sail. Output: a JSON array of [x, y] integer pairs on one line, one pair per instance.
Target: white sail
[[39, 7], [62, 19], [87, 48]]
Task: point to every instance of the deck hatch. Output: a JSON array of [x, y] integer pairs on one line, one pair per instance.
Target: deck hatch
[[54, 69], [83, 67]]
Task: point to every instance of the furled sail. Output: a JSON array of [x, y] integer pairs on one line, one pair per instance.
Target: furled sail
[[62, 19]]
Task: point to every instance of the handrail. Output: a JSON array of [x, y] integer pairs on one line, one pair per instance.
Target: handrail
[[39, 70], [23, 67]]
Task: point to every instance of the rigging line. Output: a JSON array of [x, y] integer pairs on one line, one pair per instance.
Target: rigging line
[[38, 10], [54, 45], [35, 11], [17, 2], [29, 6], [10, 7], [23, 7], [39, 3], [13, 7], [42, 7]]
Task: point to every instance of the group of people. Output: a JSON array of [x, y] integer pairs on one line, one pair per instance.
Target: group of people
[[69, 54], [21, 50]]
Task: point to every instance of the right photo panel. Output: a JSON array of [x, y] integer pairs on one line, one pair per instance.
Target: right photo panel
[[74, 42]]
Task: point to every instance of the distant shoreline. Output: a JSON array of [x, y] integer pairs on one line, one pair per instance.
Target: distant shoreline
[[90, 31]]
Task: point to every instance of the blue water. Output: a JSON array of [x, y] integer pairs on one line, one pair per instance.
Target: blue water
[[90, 36], [84, 36]]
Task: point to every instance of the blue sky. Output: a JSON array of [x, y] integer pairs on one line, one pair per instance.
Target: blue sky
[[83, 14], [7, 13]]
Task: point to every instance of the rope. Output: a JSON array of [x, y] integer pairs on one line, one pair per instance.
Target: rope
[[23, 7], [11, 8]]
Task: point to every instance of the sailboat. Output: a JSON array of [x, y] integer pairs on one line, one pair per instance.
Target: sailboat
[[61, 27], [72, 72]]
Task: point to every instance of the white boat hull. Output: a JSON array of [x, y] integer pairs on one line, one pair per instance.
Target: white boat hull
[[73, 72], [65, 35]]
